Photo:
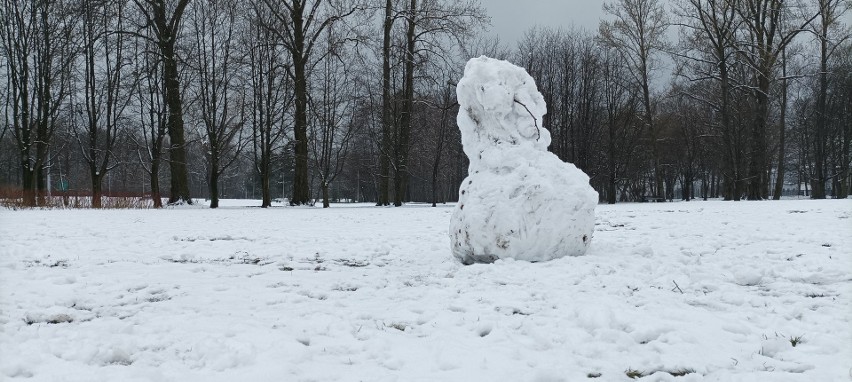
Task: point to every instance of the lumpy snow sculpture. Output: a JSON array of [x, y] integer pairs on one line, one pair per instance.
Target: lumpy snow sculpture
[[519, 200]]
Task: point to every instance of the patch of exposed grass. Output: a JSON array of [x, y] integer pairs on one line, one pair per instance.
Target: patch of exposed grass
[[352, 263], [47, 263], [680, 372], [796, 340], [61, 318], [398, 326], [241, 257], [633, 373]]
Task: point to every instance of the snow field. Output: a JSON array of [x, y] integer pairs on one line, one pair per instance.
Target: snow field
[[716, 291]]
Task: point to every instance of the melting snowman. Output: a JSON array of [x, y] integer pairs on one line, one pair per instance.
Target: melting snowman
[[519, 200]]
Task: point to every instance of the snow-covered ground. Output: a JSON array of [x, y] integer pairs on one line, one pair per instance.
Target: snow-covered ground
[[718, 291]]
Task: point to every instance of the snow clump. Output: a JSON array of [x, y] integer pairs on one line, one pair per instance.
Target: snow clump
[[519, 200]]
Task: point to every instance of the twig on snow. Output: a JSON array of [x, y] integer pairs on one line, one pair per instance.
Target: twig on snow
[[535, 120], [677, 287]]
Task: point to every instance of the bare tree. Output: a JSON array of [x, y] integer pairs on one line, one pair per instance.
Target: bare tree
[[4, 96], [593, 108], [618, 105], [298, 24], [843, 85], [163, 18], [151, 111], [830, 35], [428, 27], [271, 103], [707, 53], [387, 109], [332, 122], [37, 44], [106, 93], [763, 38], [218, 94], [638, 32], [687, 120], [400, 182], [447, 105]]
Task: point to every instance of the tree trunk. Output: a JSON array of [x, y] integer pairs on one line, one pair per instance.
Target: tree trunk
[[156, 196], [97, 191], [177, 141], [659, 194], [28, 183], [611, 189], [401, 175], [821, 121], [717, 186], [40, 170], [385, 147], [301, 189], [435, 166], [398, 185], [782, 131], [266, 197], [214, 185], [731, 162], [757, 162], [265, 175], [301, 183], [711, 186], [686, 189], [611, 186], [325, 200], [442, 128], [165, 26]]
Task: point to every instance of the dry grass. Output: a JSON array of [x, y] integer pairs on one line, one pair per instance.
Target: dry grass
[[13, 198]]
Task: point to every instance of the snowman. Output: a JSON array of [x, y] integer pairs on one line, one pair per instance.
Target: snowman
[[518, 201]]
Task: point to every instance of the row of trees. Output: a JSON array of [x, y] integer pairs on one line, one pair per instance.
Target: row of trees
[[344, 99], [760, 90], [747, 56], [216, 86]]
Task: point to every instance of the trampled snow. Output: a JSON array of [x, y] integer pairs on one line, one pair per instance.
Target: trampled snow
[[718, 291], [518, 201]]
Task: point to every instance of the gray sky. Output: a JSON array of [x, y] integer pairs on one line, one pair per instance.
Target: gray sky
[[511, 18]]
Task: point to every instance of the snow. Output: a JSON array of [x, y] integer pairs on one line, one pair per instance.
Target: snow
[[519, 201], [357, 293]]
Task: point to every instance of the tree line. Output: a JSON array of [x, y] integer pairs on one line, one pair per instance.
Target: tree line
[[353, 100]]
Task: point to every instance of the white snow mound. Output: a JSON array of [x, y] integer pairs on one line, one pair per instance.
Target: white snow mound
[[519, 200]]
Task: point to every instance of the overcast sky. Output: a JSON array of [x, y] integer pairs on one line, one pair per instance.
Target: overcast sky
[[511, 18]]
